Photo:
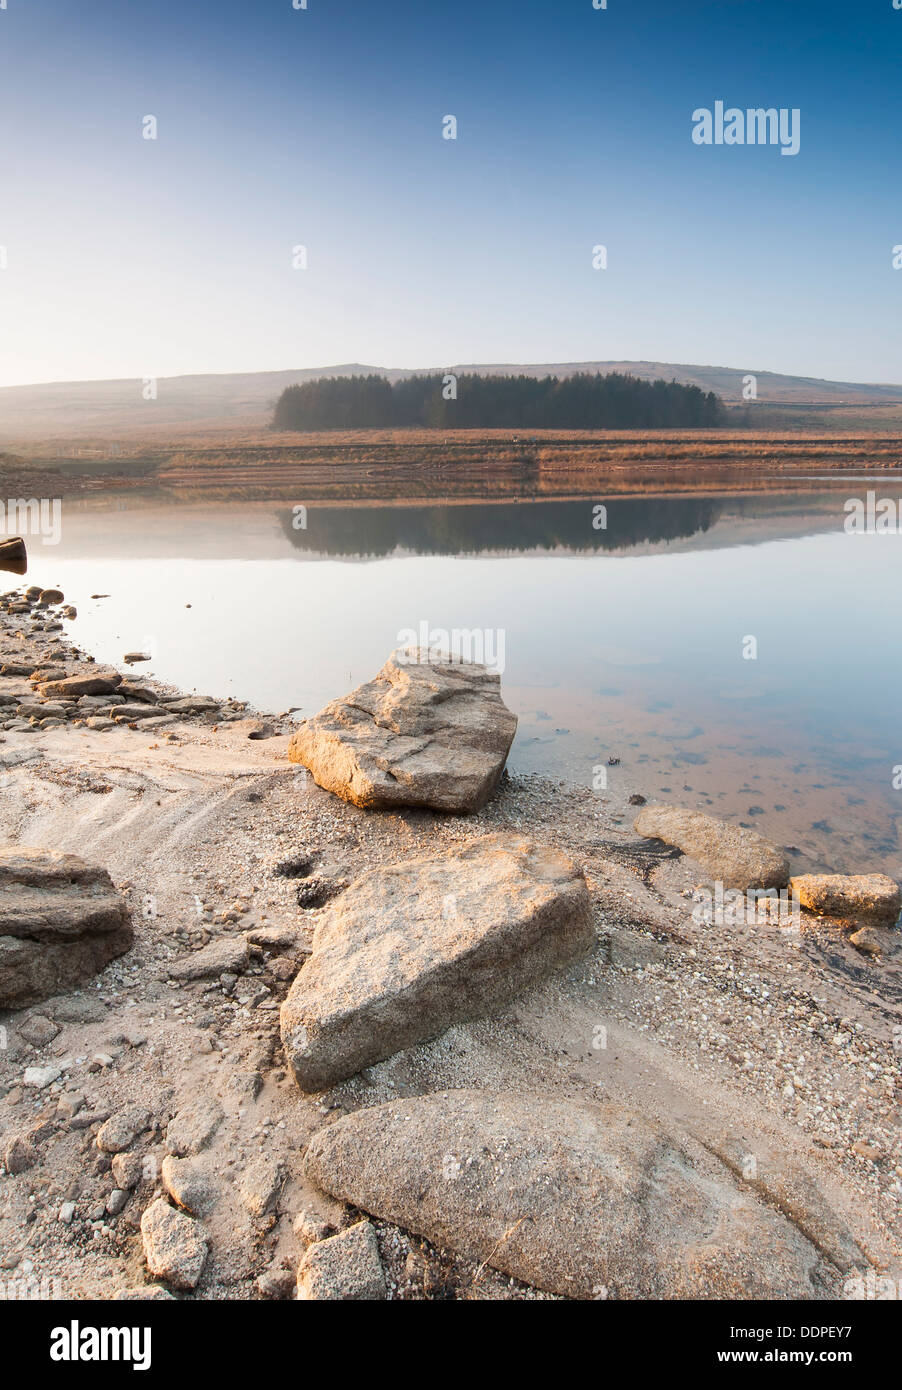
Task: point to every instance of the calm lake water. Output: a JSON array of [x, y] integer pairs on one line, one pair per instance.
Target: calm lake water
[[628, 642]]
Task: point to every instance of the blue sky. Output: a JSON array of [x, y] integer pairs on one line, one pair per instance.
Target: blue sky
[[323, 127]]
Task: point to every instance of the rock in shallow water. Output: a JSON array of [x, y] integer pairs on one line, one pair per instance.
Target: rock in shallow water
[[414, 947], [426, 732], [578, 1199], [864, 897], [13, 556], [732, 855], [61, 920]]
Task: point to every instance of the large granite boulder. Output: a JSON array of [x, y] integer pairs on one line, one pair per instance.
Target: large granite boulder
[[581, 1199], [410, 949], [732, 855], [61, 920], [428, 731]]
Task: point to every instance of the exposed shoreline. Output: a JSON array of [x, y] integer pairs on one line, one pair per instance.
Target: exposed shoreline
[[732, 1034], [362, 466]]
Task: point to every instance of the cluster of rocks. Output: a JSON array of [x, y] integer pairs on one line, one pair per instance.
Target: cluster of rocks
[[741, 859], [409, 949], [578, 1198], [63, 687]]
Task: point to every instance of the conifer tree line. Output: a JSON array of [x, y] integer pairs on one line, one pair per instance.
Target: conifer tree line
[[584, 401]]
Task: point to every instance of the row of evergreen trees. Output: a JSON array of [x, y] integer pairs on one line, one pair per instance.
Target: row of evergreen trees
[[584, 401]]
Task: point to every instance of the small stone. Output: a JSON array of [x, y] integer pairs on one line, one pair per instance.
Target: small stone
[[40, 1077], [38, 1030], [231, 955], [864, 897], [127, 1169], [116, 1201], [76, 1008], [190, 1183], [191, 1130], [121, 1130], [19, 1155], [870, 940], [66, 1213], [737, 857], [276, 1282], [69, 1104], [309, 1228], [261, 1184], [145, 1292], [345, 1267], [175, 1245], [631, 950]]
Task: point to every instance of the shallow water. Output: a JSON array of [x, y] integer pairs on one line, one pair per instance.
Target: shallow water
[[625, 642]]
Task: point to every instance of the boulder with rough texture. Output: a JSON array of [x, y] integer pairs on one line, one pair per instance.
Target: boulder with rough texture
[[343, 1267], [175, 1246], [61, 920], [580, 1199], [859, 897], [411, 948], [427, 731], [732, 855]]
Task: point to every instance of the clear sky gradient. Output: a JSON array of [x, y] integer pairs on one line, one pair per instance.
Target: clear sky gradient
[[276, 127]]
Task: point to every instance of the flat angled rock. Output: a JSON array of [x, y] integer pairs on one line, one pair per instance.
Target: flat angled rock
[[51, 896], [579, 1199], [101, 682], [61, 920], [410, 949], [428, 731], [732, 855], [191, 704], [133, 711], [218, 958]]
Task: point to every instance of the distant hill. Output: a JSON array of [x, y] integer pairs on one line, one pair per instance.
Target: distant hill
[[92, 409]]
